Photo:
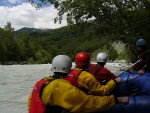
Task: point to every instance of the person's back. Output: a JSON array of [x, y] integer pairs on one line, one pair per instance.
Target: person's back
[[86, 81], [38, 101], [35, 102], [61, 94], [56, 95], [102, 74]]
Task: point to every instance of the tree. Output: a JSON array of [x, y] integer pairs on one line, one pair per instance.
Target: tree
[[43, 56], [7, 43], [8, 27], [123, 20], [113, 54], [113, 16]]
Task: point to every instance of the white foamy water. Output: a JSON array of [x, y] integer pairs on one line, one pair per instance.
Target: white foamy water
[[16, 85], [17, 82]]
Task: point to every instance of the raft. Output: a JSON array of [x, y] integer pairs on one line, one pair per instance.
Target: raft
[[137, 104], [138, 89], [135, 84]]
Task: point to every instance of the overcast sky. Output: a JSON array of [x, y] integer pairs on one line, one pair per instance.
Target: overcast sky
[[22, 14]]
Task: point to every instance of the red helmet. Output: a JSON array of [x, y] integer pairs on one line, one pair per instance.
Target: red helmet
[[82, 59]]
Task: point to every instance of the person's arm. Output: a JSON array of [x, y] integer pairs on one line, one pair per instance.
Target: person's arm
[[111, 75], [86, 80], [62, 93], [147, 63]]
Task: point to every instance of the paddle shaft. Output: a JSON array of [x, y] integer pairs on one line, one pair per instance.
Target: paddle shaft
[[130, 67]]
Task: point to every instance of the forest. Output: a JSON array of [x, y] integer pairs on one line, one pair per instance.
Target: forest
[[35, 46], [93, 26]]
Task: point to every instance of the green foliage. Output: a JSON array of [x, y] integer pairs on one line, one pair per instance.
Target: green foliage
[[7, 43], [106, 47], [31, 60], [43, 56], [119, 20], [93, 26], [112, 53], [125, 55], [21, 47], [8, 27], [28, 47]]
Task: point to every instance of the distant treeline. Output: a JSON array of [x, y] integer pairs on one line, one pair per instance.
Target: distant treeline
[[30, 45], [20, 47]]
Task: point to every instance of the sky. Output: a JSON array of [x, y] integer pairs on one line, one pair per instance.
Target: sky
[[20, 13]]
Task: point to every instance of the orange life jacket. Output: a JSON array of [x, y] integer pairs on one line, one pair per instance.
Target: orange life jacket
[[73, 76], [37, 106]]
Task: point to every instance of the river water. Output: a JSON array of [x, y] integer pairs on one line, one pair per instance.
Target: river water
[[17, 82]]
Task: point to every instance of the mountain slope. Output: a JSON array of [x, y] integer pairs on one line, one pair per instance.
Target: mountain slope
[[70, 42]]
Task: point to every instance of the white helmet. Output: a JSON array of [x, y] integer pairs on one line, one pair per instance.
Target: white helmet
[[101, 57], [61, 63]]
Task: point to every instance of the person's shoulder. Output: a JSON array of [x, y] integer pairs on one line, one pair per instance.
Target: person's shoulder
[[93, 64], [60, 82], [85, 73], [76, 68], [104, 69], [59, 85]]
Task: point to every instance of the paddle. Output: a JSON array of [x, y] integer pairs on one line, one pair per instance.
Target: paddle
[[130, 67]]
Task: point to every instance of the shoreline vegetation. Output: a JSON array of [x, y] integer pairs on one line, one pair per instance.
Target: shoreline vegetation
[[34, 47], [14, 63]]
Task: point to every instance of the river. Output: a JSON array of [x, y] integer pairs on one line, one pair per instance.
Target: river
[[17, 82]]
